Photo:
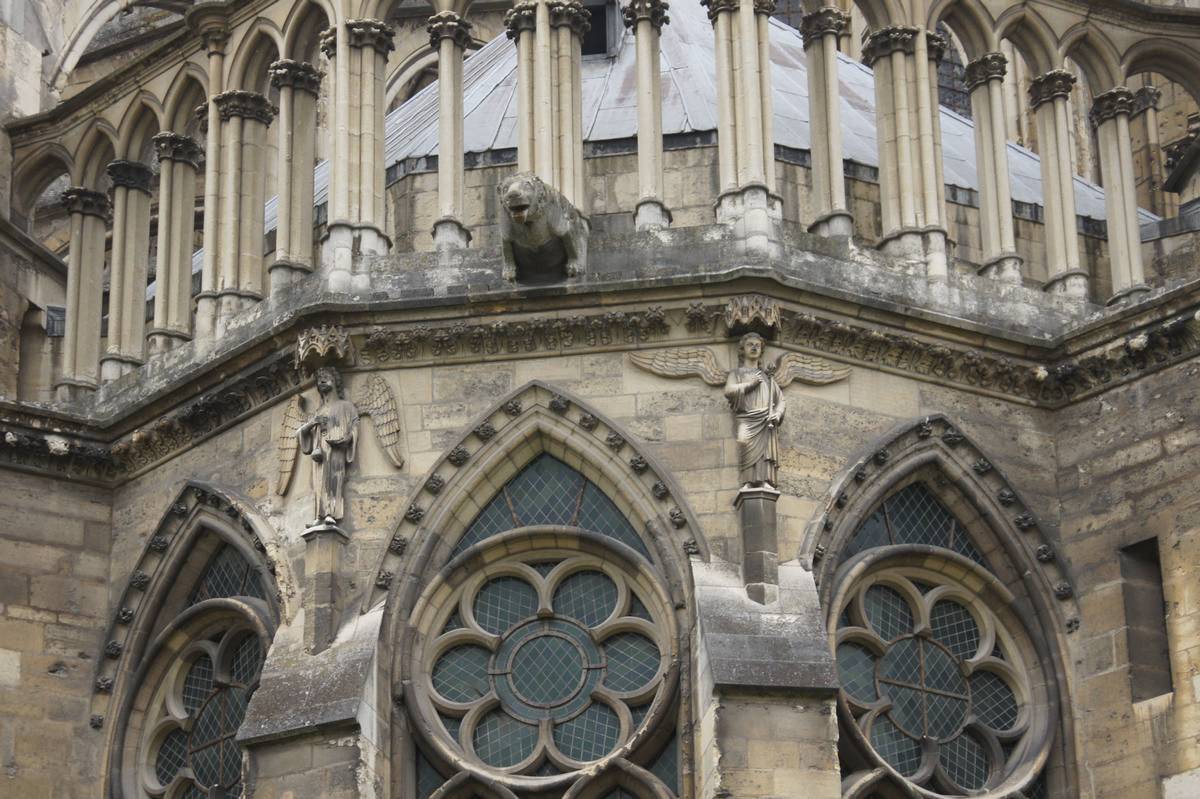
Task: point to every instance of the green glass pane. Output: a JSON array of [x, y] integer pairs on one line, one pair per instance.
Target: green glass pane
[[902, 663], [503, 602], [941, 670], [887, 612], [637, 609], [198, 684], [496, 517], [633, 660], [966, 762], [856, 671], [900, 751], [547, 670], [945, 715], [598, 513], [246, 660], [666, 768], [908, 708], [172, 755], [461, 674], [455, 622], [955, 627], [547, 769], [918, 518], [502, 741], [428, 778], [228, 575], [589, 597], [206, 763], [993, 701], [590, 735], [873, 533], [452, 725]]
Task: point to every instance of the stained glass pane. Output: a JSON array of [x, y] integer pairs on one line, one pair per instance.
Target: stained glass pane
[[966, 762], [856, 671], [198, 684], [461, 675], [633, 661], [908, 708], [589, 597], [228, 575], [495, 518], [902, 752], [502, 741], [666, 768], [547, 670], [455, 622], [451, 724], [428, 779], [637, 609], [590, 735], [545, 492], [598, 513], [503, 602], [172, 755], [993, 700], [873, 533], [955, 627], [246, 661], [887, 612]]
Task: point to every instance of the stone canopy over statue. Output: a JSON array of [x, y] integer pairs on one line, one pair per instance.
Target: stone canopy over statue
[[755, 394]]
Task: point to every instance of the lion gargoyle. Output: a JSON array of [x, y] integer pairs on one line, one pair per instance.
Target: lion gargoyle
[[545, 237]]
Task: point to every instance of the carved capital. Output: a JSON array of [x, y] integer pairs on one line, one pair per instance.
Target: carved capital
[[766, 7], [201, 113], [1146, 98], [371, 33], [751, 312], [78, 200], [569, 14], [989, 66], [892, 39], [520, 18], [1055, 83], [328, 42], [718, 7], [1111, 104], [210, 22], [824, 21], [172, 146], [130, 175], [296, 74], [448, 25], [652, 11], [322, 345], [246, 105]]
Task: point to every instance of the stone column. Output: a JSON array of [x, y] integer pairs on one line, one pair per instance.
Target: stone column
[[244, 119], [985, 80], [1048, 96], [89, 212], [178, 158], [359, 52], [821, 30], [299, 84], [209, 21], [910, 171], [521, 22], [646, 19], [449, 35], [1150, 191], [1110, 116], [126, 345]]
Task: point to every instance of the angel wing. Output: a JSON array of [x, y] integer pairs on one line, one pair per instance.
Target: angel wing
[[807, 369], [682, 362], [293, 417], [377, 401]]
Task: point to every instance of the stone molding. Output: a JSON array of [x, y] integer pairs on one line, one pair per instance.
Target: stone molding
[[520, 18], [299, 75], [1111, 104], [652, 11], [130, 175], [371, 33], [170, 146], [1055, 83], [246, 105], [448, 25], [78, 200], [989, 66], [902, 39], [825, 20], [569, 14]]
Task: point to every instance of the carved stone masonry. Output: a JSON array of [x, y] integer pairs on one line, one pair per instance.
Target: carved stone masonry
[[244, 104], [989, 66], [718, 7], [569, 14], [1055, 83], [448, 25], [520, 18], [823, 21], [371, 33], [296, 74], [1111, 104], [170, 146], [752, 312], [324, 344], [765, 7], [79, 200], [1146, 98], [888, 40], [652, 11]]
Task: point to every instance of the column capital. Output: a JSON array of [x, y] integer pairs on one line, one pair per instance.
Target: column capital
[[652, 11], [448, 25], [569, 14], [520, 18], [201, 114], [371, 33], [327, 39], [989, 66], [825, 20], [888, 40], [1055, 83], [1146, 98], [244, 104], [130, 175], [211, 21], [78, 200], [171, 146], [766, 7], [1111, 104], [718, 7], [299, 75]]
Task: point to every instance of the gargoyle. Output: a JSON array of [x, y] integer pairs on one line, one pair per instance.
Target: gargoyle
[[545, 237]]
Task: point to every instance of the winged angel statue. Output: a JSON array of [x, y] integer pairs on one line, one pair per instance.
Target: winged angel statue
[[329, 436], [755, 394]]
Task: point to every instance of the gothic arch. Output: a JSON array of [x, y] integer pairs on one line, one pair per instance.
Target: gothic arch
[[302, 30], [141, 122], [1031, 36], [970, 22], [186, 93], [407, 73], [36, 173], [260, 45], [881, 13], [1171, 59], [1095, 55], [97, 147]]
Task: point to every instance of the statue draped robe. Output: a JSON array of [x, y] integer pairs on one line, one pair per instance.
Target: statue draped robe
[[758, 406], [334, 436]]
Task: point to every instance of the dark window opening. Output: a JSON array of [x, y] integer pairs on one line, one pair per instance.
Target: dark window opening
[[600, 37], [1145, 620]]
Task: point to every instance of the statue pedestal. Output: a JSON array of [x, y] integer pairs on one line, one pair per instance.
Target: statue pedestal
[[760, 542], [322, 584]]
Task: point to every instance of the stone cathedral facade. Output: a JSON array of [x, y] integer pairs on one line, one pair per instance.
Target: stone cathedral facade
[[410, 400]]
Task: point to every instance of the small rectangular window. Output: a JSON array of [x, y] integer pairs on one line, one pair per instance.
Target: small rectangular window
[[601, 37], [56, 321], [1145, 620]]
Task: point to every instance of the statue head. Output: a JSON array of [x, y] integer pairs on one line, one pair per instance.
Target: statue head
[[750, 347], [330, 379]]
